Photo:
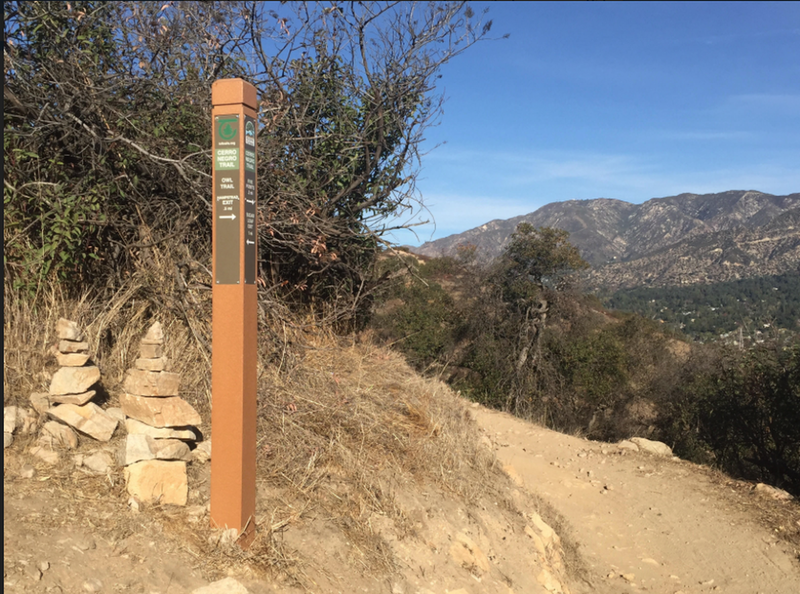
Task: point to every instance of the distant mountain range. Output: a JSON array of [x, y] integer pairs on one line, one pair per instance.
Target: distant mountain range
[[684, 239]]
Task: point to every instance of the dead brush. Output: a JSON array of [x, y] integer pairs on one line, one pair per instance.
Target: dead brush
[[113, 323], [343, 424]]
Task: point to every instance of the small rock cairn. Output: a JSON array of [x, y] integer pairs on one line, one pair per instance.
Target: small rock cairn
[[71, 393], [159, 425], [69, 404]]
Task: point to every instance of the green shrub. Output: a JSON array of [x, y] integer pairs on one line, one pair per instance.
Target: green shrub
[[419, 318], [741, 410]]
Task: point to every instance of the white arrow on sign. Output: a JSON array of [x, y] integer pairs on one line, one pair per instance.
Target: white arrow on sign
[[249, 201], [248, 242], [231, 217]]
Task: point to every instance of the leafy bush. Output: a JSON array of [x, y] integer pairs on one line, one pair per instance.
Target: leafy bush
[[107, 126], [742, 409], [416, 315]]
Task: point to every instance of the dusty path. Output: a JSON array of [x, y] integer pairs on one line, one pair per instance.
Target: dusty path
[[644, 522]]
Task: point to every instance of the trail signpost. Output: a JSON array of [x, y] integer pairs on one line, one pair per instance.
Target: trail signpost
[[234, 323]]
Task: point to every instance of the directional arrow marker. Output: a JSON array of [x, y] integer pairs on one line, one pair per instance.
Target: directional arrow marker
[[249, 201], [248, 242], [230, 216]]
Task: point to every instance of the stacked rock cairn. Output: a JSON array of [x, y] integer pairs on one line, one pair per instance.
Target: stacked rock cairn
[[67, 407], [69, 400], [160, 426]]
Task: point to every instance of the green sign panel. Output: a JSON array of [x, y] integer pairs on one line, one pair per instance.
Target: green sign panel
[[227, 198]]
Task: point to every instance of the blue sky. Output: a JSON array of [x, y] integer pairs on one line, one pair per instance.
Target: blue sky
[[615, 100]]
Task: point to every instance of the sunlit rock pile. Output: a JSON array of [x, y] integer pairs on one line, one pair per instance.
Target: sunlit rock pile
[[161, 426], [68, 408], [70, 386], [70, 403], [162, 434]]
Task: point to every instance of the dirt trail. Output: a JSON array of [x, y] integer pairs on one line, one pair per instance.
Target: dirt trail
[[644, 522]]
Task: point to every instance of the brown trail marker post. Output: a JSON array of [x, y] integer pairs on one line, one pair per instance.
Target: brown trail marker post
[[234, 323]]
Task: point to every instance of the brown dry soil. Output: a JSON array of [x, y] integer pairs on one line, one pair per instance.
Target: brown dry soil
[[639, 523], [649, 523]]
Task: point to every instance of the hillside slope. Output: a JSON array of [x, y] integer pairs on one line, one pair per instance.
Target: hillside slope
[[731, 254], [631, 522], [414, 504]]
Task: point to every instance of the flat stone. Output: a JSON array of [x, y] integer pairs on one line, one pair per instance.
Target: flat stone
[[60, 435], [33, 572], [773, 492], [538, 543], [8, 439], [226, 586], [159, 364], [627, 444], [9, 419], [223, 537], [202, 453], [171, 411], [71, 346], [99, 462], [89, 419], [84, 542], [74, 380], [45, 454], [40, 402], [151, 383], [72, 359], [27, 471], [549, 582], [68, 330], [151, 351], [78, 399], [138, 447], [656, 448], [548, 535], [115, 412], [155, 334], [170, 449], [158, 481], [137, 427]]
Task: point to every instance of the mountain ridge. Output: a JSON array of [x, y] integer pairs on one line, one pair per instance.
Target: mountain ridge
[[627, 243]]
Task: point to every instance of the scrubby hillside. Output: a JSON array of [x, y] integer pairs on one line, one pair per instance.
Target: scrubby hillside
[[370, 478], [613, 232], [557, 357], [374, 479]]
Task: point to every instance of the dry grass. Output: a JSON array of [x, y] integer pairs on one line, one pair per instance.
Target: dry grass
[[112, 325], [343, 424]]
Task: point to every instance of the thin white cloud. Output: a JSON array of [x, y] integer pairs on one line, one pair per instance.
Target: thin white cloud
[[518, 171], [451, 213]]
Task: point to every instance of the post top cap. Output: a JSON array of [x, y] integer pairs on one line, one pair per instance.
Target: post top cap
[[232, 91]]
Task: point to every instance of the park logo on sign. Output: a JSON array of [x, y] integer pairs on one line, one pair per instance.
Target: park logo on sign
[[227, 128], [250, 134]]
